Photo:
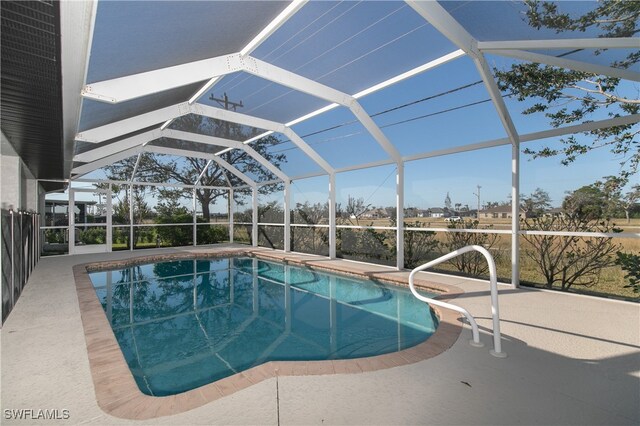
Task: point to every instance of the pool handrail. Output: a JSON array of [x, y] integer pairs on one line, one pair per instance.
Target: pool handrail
[[493, 283]]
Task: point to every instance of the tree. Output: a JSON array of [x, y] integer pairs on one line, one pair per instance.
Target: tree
[[355, 209], [570, 97], [630, 201], [156, 168], [537, 203], [585, 203], [569, 260]]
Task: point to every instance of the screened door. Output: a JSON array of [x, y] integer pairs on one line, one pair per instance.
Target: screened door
[[89, 221]]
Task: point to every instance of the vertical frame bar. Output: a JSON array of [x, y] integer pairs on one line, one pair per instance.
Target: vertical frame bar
[[109, 220], [195, 219], [254, 216], [332, 216], [131, 233], [515, 214], [287, 216], [231, 209], [71, 212], [13, 258], [400, 216]]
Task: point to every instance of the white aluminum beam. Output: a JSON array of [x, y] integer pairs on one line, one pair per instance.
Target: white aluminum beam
[[89, 167], [302, 84], [300, 143], [199, 138], [295, 81], [135, 168], [273, 26], [374, 130], [437, 16], [204, 170], [247, 120], [177, 152], [571, 64], [212, 140], [147, 83], [332, 216], [450, 28], [400, 216], [128, 125], [235, 117], [287, 216], [185, 153], [254, 216], [393, 80], [118, 146], [570, 43], [412, 72]]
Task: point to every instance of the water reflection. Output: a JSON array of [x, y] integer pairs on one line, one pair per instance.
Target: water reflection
[[187, 323]]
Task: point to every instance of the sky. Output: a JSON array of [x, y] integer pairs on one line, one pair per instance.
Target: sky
[[351, 47]]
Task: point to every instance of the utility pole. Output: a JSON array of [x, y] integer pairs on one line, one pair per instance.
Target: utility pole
[[477, 194], [225, 102]]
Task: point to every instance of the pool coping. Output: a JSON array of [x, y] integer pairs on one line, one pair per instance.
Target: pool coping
[[117, 393]]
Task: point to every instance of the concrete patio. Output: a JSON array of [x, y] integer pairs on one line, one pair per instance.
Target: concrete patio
[[571, 360]]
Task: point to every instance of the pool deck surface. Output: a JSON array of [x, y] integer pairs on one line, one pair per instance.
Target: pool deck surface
[[571, 360]]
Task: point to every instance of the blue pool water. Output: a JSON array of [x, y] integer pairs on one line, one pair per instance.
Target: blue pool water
[[183, 324]]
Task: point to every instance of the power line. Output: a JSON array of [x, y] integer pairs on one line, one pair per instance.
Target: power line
[[408, 104]]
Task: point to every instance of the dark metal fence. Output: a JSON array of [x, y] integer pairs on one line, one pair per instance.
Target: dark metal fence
[[20, 253]]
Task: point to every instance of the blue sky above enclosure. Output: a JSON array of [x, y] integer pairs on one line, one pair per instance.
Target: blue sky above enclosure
[[137, 36], [506, 20], [349, 46]]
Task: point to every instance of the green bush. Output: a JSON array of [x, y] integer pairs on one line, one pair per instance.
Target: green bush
[[175, 236], [92, 235], [211, 234], [630, 263]]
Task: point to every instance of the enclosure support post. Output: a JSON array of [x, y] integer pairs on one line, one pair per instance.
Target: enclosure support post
[[254, 216], [131, 217], [332, 215], [515, 215], [193, 206], [400, 216], [231, 208], [109, 202], [287, 216]]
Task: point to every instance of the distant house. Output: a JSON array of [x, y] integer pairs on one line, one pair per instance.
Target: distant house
[[555, 212], [436, 212], [500, 212], [423, 213], [375, 214], [411, 212]]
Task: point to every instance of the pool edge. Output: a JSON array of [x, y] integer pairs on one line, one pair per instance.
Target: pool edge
[[117, 393]]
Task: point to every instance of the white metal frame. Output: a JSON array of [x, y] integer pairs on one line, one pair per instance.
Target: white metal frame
[[212, 69], [94, 248]]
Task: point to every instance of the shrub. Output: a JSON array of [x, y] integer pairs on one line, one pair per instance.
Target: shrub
[[569, 260], [630, 263], [473, 264]]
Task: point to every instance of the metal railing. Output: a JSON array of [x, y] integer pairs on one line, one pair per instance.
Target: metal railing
[[493, 282], [20, 254]]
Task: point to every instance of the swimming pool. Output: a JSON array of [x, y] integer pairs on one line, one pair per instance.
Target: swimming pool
[[186, 323]]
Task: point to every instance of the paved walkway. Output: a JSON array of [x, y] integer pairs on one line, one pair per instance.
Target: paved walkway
[[572, 360]]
